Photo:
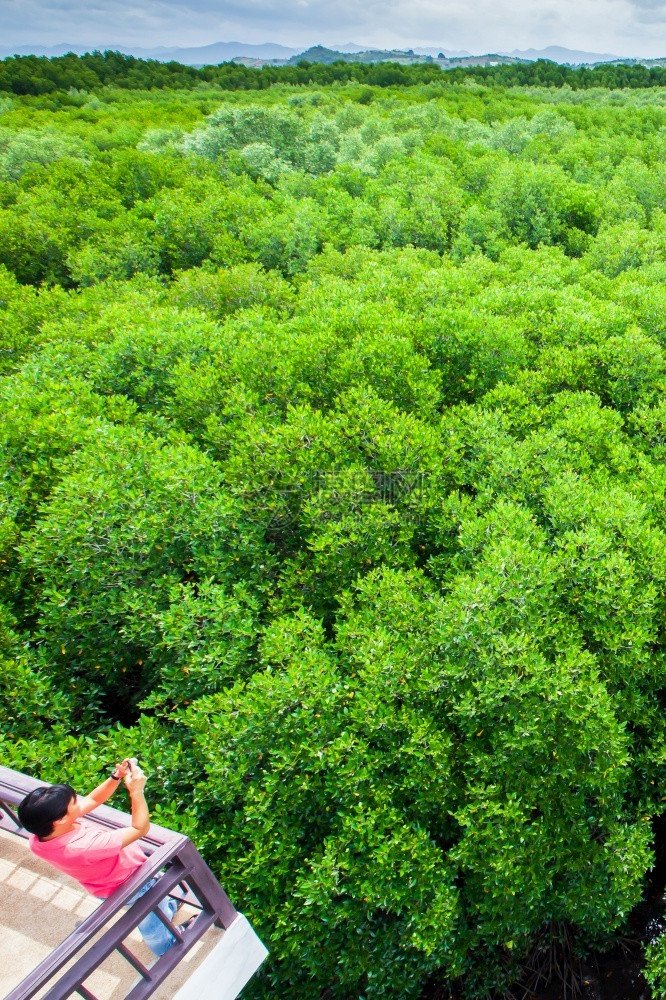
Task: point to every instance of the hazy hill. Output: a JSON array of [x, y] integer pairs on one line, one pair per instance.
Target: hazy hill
[[449, 53], [320, 54], [561, 55], [271, 52], [194, 56]]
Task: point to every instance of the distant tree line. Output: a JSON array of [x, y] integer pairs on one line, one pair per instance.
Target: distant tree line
[[35, 75]]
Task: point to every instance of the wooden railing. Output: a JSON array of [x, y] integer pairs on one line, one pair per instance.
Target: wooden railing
[[179, 871]]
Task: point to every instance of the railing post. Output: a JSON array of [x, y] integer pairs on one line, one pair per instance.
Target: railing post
[[207, 888], [4, 808]]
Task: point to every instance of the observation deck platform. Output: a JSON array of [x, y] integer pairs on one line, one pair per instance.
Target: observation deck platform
[[57, 941]]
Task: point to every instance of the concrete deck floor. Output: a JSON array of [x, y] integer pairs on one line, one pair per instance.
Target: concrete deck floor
[[39, 907]]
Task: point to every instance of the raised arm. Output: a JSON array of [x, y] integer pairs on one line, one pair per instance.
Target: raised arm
[[103, 792], [135, 782]]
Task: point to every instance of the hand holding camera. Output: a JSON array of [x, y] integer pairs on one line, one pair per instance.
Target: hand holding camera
[[121, 770], [135, 779]]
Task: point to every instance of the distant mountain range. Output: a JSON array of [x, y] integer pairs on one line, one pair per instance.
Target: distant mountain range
[[561, 55], [270, 52], [197, 56]]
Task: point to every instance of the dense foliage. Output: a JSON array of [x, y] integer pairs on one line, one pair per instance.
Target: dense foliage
[[655, 967], [41, 75], [333, 487]]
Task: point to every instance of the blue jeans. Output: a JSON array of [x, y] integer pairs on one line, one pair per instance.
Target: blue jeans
[[151, 928]]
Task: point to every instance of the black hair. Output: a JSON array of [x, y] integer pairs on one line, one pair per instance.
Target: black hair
[[43, 806]]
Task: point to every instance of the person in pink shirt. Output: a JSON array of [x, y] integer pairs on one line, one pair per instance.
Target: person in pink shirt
[[101, 860]]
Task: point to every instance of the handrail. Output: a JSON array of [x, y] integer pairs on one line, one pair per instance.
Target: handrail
[[14, 786], [169, 851]]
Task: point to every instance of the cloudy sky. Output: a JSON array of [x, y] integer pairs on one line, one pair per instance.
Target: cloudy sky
[[624, 27]]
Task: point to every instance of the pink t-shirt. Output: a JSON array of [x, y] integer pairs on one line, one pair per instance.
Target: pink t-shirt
[[93, 856]]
